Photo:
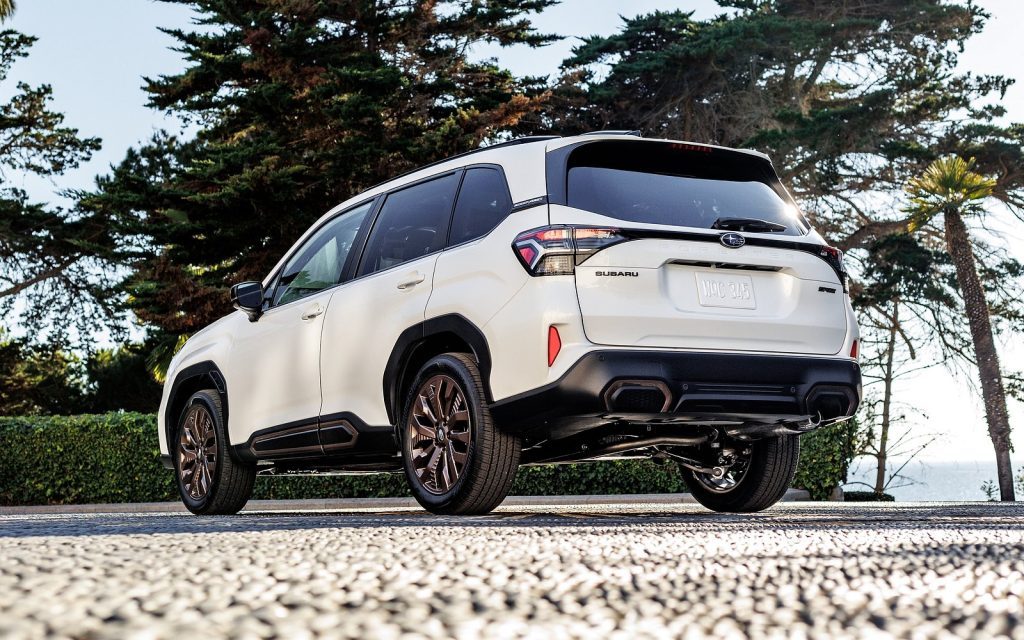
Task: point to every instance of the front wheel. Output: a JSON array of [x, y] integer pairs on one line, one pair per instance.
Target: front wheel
[[456, 459], [210, 481], [756, 481]]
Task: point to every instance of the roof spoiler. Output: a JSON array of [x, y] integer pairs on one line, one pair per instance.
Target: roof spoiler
[[614, 132]]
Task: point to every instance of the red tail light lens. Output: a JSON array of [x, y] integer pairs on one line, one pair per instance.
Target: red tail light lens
[[556, 250], [545, 251], [554, 344], [855, 350], [834, 257]]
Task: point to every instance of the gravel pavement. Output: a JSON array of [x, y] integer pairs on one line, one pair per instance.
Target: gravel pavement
[[615, 571]]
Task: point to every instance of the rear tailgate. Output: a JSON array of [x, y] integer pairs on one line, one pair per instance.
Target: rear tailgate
[[702, 295], [676, 282]]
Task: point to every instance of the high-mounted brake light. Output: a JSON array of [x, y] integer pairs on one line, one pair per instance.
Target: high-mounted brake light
[[556, 250]]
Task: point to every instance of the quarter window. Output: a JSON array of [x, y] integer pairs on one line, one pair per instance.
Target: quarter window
[[483, 202], [412, 223], [318, 264]]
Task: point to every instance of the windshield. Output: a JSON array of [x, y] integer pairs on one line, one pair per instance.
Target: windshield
[[680, 185]]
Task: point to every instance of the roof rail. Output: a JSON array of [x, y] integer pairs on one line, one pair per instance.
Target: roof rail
[[614, 132], [507, 143]]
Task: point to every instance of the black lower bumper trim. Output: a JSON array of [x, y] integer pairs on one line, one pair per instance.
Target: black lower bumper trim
[[698, 382]]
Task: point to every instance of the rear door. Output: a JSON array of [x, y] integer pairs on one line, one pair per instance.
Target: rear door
[[387, 296], [718, 256]]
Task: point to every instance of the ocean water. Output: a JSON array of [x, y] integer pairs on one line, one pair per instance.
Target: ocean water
[[933, 480]]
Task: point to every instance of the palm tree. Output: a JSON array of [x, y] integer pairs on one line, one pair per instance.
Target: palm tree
[[950, 188], [6, 9]]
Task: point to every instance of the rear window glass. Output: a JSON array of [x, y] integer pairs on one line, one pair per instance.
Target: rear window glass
[[679, 185]]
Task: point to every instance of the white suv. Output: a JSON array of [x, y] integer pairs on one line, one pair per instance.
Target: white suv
[[544, 300]]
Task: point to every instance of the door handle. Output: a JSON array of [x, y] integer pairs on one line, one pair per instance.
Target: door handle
[[414, 279], [313, 311]]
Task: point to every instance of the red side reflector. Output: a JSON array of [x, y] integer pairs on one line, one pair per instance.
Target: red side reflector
[[554, 344], [855, 350]]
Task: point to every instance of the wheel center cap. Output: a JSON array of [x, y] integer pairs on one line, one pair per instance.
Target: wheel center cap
[[442, 434]]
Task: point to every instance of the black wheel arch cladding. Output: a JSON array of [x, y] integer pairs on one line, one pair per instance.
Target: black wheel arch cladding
[[421, 342]]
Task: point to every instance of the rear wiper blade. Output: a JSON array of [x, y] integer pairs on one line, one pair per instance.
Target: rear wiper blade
[[748, 224]]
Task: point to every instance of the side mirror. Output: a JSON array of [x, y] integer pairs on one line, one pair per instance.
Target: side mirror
[[248, 296]]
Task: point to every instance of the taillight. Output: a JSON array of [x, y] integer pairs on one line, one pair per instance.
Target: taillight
[[834, 257], [855, 350], [556, 250]]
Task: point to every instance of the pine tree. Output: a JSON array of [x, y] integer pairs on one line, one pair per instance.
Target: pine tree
[[39, 379], [849, 99], [47, 255], [299, 106]]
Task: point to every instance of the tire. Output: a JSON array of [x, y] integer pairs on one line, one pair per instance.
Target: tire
[[226, 484], [768, 473], [468, 437]]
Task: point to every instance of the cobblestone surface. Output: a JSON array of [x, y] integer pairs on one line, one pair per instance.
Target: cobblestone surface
[[643, 571]]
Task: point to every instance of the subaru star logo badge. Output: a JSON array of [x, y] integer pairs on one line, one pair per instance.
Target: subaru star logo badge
[[732, 240]]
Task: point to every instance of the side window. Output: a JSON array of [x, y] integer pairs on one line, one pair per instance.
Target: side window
[[318, 264], [484, 201], [412, 223]]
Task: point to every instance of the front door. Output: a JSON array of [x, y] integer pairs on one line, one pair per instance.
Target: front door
[[275, 364]]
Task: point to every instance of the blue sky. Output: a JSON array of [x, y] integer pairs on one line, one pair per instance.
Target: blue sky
[[96, 53]]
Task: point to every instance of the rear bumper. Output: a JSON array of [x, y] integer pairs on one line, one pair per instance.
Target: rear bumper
[[653, 386]]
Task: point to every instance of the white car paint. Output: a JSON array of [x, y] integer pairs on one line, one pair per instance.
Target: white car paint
[[796, 306], [366, 317], [284, 367], [274, 366]]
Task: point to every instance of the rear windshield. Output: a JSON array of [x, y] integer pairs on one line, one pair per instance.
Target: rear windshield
[[680, 185]]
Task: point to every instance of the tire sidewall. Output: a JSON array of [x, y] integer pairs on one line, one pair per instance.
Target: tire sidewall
[[202, 505], [452, 367], [729, 500], [738, 499]]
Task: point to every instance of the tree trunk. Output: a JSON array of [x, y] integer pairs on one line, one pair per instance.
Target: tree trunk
[[958, 243], [883, 437]]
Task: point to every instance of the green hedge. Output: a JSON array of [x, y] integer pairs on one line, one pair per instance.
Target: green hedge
[[825, 456], [867, 496], [114, 457], [111, 457]]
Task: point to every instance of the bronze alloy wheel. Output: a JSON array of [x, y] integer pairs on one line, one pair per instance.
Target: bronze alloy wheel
[[729, 480], [440, 432], [197, 452]]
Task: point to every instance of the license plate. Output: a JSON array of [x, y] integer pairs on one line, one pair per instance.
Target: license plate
[[723, 290]]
